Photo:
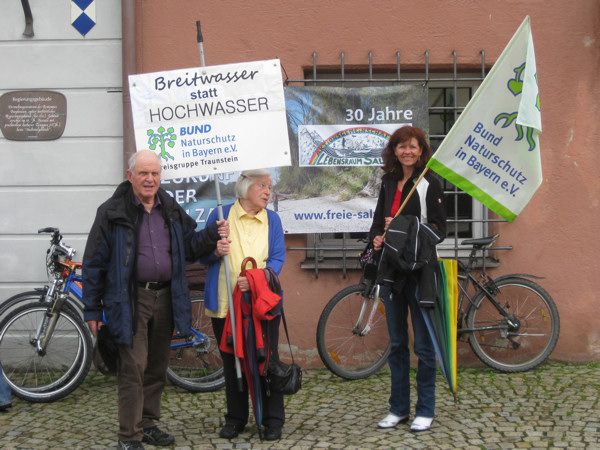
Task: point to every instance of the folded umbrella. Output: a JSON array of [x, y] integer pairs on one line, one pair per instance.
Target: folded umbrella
[[442, 322], [249, 362]]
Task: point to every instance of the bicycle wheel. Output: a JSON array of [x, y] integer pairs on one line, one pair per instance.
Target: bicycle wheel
[[55, 374], [34, 297], [195, 362], [347, 346], [523, 340], [22, 298]]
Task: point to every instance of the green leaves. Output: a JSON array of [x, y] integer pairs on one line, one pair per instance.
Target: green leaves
[[515, 85], [164, 138]]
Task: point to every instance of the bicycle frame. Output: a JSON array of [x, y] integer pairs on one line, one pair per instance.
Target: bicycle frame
[[74, 287], [487, 288], [196, 339], [371, 291], [68, 281], [480, 288], [66, 286]]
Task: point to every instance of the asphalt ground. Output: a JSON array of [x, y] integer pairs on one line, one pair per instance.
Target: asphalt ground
[[553, 406]]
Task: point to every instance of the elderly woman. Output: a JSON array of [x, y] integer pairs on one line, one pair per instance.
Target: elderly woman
[[254, 232], [404, 158]]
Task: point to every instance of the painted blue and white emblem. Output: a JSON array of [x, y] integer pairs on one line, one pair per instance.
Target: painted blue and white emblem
[[83, 15]]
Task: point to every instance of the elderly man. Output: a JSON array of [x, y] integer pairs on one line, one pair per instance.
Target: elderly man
[[134, 272]]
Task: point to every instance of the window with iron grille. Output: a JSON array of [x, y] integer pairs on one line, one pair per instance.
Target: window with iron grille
[[449, 88]]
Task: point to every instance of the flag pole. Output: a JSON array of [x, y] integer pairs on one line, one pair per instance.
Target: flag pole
[[238, 368]]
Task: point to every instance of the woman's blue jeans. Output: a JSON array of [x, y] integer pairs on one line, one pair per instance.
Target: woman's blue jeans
[[5, 395], [396, 309]]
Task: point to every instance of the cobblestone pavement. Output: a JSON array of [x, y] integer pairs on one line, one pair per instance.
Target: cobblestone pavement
[[554, 406]]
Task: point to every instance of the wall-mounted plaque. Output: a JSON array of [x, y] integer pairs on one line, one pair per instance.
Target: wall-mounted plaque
[[33, 115]]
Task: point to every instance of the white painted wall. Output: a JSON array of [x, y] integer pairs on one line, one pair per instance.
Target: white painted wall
[[58, 183]]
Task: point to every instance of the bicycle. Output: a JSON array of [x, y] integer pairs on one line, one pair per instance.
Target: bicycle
[[46, 348], [511, 322]]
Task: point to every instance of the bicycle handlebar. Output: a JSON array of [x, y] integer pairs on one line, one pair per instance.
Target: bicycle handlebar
[[57, 246], [47, 230], [56, 236]]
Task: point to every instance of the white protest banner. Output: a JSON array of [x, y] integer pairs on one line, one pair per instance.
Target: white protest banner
[[213, 119], [492, 152], [336, 138]]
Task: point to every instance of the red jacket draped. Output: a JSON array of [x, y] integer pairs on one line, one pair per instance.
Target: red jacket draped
[[262, 301]]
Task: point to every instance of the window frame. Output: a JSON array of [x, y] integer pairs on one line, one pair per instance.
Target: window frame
[[325, 252]]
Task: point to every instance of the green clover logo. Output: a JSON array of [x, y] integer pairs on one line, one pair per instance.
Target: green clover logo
[[163, 138]]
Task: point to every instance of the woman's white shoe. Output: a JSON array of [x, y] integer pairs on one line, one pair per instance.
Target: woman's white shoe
[[421, 424], [391, 420]]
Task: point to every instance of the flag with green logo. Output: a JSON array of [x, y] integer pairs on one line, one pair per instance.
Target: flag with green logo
[[492, 152]]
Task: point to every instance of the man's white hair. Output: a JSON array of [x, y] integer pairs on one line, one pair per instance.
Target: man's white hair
[[133, 158], [247, 177]]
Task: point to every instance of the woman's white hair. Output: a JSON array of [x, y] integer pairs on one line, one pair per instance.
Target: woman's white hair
[[247, 177]]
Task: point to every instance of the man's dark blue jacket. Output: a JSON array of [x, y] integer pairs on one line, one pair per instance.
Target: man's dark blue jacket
[[109, 261]]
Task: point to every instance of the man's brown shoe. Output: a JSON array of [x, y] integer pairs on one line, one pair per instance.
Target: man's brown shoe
[[155, 436]]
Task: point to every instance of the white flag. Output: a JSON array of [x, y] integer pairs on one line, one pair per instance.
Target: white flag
[[492, 152]]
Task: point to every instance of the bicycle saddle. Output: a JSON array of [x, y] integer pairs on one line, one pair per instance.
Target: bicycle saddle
[[481, 242]]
